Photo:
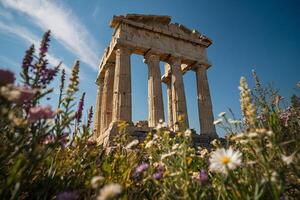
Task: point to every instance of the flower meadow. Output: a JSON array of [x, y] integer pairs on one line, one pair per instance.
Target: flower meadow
[[50, 153]]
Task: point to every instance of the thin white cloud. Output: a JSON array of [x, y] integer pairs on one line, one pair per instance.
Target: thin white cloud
[[29, 38], [64, 25]]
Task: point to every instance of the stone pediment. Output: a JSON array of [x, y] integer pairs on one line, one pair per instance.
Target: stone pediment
[[161, 23]]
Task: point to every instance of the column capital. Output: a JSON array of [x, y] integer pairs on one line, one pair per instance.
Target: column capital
[[197, 65], [174, 60], [151, 57], [122, 49]]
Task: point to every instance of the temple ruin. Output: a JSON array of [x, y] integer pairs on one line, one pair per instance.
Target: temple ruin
[[156, 39]]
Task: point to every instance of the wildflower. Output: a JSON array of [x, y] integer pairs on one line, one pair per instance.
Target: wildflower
[[175, 146], [6, 77], [74, 79], [73, 195], [90, 117], [223, 159], [62, 80], [167, 155], [248, 109], [203, 153], [49, 139], [95, 181], [28, 58], [91, 142], [274, 176], [109, 191], [288, 159], [149, 144], [188, 133], [218, 121], [39, 112], [221, 114], [26, 94], [45, 44], [132, 144], [80, 108], [175, 173], [269, 133], [158, 175], [202, 177], [231, 121], [140, 169], [252, 134], [215, 143]]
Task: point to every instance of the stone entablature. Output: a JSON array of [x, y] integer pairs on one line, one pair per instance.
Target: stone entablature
[[157, 39]]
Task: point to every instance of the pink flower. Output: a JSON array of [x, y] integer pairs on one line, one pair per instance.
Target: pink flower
[[49, 139], [6, 77], [39, 112], [26, 94]]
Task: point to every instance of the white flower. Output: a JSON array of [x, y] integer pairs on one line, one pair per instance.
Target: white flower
[[252, 134], [188, 133], [221, 114], [231, 121], [175, 146], [167, 155], [222, 159], [218, 121], [109, 191], [95, 181], [149, 144], [288, 159], [132, 144]]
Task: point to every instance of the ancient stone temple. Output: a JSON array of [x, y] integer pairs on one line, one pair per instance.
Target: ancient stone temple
[[156, 39]]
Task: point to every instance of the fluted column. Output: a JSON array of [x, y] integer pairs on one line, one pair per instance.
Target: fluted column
[[97, 118], [155, 99], [167, 81], [178, 95], [122, 86], [106, 105], [204, 103]]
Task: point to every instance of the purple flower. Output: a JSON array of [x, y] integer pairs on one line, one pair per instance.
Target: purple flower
[[68, 196], [141, 168], [39, 112], [158, 175], [45, 44], [6, 77], [203, 177], [80, 108], [90, 117]]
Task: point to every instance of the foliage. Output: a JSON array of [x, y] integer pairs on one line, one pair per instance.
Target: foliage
[[47, 154]]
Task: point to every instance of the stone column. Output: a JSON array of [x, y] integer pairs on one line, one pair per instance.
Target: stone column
[[204, 103], [179, 108], [97, 123], [155, 99], [167, 81], [122, 86], [107, 97]]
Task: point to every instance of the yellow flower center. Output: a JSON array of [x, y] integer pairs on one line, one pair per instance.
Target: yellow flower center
[[225, 160]]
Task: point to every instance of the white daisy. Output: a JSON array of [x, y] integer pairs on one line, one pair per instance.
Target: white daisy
[[223, 159], [109, 191]]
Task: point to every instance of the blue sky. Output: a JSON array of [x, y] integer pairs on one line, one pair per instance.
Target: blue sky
[[254, 34]]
